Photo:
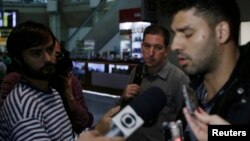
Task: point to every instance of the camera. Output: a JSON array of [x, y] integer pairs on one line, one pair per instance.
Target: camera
[[173, 130]]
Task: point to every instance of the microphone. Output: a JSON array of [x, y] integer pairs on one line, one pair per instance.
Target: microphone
[[142, 111], [173, 130]]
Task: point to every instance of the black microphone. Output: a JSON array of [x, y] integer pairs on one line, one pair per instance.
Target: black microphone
[[142, 111]]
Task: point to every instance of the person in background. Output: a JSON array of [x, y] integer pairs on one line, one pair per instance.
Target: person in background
[[156, 71], [206, 41], [3, 70], [7, 61], [34, 110], [70, 88], [9, 81]]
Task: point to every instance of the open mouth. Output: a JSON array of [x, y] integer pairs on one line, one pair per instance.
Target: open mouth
[[182, 61]]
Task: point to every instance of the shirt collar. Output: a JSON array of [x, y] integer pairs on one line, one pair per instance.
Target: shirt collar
[[162, 73]]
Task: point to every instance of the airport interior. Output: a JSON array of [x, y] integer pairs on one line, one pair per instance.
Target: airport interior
[[102, 36]]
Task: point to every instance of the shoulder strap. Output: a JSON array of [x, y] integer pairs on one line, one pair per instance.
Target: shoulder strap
[[138, 74]]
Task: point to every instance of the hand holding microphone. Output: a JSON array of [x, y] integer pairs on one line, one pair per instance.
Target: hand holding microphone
[[143, 110], [104, 123]]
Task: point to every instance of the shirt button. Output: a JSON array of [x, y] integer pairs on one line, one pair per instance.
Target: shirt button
[[243, 101], [240, 90]]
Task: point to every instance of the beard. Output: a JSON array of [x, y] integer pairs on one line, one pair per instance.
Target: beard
[[44, 73]]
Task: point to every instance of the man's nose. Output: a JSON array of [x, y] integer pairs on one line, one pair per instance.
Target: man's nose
[[151, 51], [47, 56], [175, 45]]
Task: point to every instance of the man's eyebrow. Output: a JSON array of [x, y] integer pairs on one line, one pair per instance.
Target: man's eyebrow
[[52, 45], [36, 48], [181, 29]]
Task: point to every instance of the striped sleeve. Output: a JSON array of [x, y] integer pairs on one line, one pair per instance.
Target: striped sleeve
[[29, 129], [30, 114]]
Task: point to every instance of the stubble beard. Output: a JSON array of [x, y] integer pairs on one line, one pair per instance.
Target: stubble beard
[[44, 73]]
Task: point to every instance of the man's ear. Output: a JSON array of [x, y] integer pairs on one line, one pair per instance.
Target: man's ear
[[223, 32]]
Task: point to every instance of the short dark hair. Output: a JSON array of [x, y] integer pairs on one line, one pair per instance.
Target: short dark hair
[[213, 11], [64, 65], [26, 35], [158, 30]]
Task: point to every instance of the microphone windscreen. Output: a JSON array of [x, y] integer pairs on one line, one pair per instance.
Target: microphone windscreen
[[149, 104]]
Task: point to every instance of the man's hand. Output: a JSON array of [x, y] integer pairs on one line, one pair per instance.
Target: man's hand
[[104, 124], [94, 135], [200, 121], [131, 91]]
